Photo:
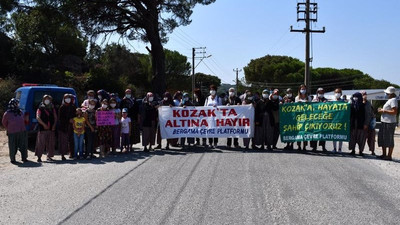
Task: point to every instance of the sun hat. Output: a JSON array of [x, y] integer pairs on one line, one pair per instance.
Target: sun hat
[[390, 90]]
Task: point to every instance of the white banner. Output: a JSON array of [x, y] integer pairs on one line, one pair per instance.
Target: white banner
[[205, 122]]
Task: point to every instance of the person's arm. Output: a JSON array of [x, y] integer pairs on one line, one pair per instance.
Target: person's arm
[[55, 120], [4, 121], [40, 121], [130, 127]]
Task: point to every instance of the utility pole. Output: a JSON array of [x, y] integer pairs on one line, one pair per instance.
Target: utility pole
[[307, 12], [199, 50], [237, 78]]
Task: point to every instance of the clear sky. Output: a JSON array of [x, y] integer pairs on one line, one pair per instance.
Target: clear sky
[[360, 34]]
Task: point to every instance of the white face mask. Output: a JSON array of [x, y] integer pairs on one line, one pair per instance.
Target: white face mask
[[104, 106], [90, 97], [113, 105], [165, 99], [186, 99], [99, 97], [338, 95], [91, 106], [151, 99], [303, 91], [128, 95], [355, 99], [67, 100], [250, 98], [46, 102], [212, 92], [265, 95], [320, 95], [231, 94], [289, 95], [195, 95]]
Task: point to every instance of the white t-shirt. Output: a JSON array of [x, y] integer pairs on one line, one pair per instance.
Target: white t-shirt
[[125, 125], [390, 104], [213, 102]]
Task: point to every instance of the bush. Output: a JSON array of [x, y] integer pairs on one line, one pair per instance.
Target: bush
[[7, 88]]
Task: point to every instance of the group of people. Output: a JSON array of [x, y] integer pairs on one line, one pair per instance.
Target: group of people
[[79, 136]]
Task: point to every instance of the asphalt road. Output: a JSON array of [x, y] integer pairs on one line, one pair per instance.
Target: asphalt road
[[204, 187]]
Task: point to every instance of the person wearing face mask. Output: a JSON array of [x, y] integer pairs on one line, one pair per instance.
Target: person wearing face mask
[[275, 100], [129, 102], [371, 117], [47, 119], [104, 133], [233, 100], [319, 98], [102, 94], [289, 98], [214, 101], [358, 124], [78, 123], [248, 100], [199, 101], [167, 102], [149, 119], [116, 128], [66, 112], [337, 98], [184, 103], [90, 95], [14, 122], [302, 96], [90, 132], [177, 98], [388, 123], [264, 125]]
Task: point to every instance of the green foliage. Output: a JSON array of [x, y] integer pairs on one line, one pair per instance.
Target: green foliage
[[283, 72], [5, 94]]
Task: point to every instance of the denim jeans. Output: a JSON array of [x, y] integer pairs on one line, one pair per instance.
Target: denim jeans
[[78, 140]]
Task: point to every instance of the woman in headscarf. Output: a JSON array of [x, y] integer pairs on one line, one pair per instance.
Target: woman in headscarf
[[289, 98], [358, 124], [104, 132], [116, 128], [232, 101], [149, 119], [275, 101], [388, 123], [320, 97], [14, 122], [129, 102], [177, 98], [186, 102], [199, 100], [248, 100], [167, 101], [264, 122], [337, 98], [66, 112], [47, 118]]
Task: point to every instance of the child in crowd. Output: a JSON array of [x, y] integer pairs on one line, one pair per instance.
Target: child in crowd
[[78, 124], [126, 127], [116, 130]]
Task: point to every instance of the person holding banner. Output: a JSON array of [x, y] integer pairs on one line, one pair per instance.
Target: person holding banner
[[104, 131], [199, 101], [231, 101], [338, 98], [371, 117], [389, 122], [167, 101], [276, 100], [213, 100], [319, 98], [186, 102], [264, 122], [149, 119], [302, 96], [358, 124], [248, 100], [288, 98]]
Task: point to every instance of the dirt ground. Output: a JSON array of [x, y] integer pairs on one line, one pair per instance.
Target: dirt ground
[[5, 160]]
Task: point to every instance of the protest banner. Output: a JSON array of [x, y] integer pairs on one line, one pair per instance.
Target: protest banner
[[329, 121], [105, 118], [205, 122]]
